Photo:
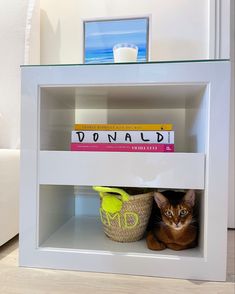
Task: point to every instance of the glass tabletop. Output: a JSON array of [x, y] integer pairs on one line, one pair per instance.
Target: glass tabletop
[[126, 63]]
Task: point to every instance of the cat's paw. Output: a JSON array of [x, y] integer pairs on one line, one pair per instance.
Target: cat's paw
[[176, 247], [154, 244]]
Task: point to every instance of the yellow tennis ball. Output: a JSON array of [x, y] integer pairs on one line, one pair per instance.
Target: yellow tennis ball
[[111, 204]]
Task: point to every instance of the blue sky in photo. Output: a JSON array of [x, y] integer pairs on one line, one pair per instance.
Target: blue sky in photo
[[101, 36]]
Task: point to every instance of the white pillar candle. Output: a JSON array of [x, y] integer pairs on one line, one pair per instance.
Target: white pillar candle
[[125, 53]]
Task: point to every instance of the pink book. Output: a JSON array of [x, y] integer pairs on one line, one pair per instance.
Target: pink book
[[122, 147]]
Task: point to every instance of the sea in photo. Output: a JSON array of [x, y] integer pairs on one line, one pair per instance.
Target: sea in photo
[[106, 55], [101, 36]]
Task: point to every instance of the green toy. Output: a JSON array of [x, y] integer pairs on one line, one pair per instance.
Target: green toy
[[111, 202]]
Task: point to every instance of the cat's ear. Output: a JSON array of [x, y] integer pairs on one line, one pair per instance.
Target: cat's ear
[[189, 197], [160, 199]]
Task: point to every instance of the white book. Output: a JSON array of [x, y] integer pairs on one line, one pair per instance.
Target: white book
[[159, 137]]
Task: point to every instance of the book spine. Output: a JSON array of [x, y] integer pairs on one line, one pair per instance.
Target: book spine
[[145, 137], [122, 147], [124, 127]]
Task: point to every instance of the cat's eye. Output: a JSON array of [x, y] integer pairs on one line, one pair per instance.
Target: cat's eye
[[183, 212], [168, 213]]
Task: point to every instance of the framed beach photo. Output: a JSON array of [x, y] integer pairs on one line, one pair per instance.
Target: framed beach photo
[[102, 36]]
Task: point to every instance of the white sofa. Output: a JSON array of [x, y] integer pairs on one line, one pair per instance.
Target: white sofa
[[9, 194]]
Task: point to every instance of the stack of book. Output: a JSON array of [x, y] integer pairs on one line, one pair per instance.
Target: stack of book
[[123, 137]]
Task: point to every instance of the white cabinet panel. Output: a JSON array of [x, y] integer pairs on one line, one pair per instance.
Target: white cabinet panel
[[162, 170]]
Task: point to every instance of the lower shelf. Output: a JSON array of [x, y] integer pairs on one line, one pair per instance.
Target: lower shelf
[[86, 233]]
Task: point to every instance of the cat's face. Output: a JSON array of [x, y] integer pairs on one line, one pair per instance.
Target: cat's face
[[176, 216], [179, 215]]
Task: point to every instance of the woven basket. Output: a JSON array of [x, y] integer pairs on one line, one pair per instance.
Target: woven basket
[[128, 224]]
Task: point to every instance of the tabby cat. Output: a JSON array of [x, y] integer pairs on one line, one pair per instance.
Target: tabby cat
[[173, 223]]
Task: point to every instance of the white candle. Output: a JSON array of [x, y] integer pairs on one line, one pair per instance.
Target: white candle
[[125, 53]]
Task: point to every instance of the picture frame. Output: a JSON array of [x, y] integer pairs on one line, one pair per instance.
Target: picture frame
[[101, 35]]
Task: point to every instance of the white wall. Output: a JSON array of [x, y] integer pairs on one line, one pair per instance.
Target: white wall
[[231, 209], [12, 29], [19, 39], [179, 29]]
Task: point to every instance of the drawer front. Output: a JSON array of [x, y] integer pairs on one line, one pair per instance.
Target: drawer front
[[162, 170]]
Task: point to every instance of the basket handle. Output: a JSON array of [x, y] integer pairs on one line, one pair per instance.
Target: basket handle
[[104, 192]]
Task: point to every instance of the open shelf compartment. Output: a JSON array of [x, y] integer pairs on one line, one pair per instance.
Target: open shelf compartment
[[69, 220], [183, 105]]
